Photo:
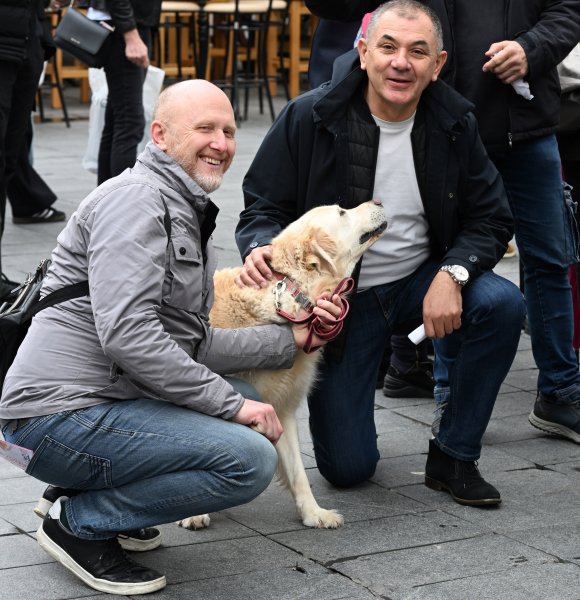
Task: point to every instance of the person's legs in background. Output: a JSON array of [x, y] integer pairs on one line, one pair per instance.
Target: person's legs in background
[[17, 93], [547, 239], [29, 195], [124, 115]]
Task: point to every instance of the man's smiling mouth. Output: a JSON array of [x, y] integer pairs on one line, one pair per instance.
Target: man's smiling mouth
[[211, 161]]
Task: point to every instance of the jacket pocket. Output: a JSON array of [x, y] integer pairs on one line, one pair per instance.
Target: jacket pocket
[[62, 466], [185, 275]]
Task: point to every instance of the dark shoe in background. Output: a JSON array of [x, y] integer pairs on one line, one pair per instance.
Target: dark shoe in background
[[48, 215], [102, 565], [558, 419], [460, 478], [418, 382], [134, 540]]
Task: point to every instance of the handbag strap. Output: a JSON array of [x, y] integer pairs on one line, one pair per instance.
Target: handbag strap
[[68, 292], [81, 288]]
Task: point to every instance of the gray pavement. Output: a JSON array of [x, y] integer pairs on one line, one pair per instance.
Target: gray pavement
[[400, 540]]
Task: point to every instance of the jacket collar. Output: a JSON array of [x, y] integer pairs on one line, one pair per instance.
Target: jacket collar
[[348, 81]]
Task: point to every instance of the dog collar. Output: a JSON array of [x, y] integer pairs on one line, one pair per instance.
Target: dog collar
[[284, 284]]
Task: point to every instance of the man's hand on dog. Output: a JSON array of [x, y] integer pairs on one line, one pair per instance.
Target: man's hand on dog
[[256, 272], [261, 417]]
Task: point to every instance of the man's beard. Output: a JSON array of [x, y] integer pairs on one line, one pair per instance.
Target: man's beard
[[208, 183]]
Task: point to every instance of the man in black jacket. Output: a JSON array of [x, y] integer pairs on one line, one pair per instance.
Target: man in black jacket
[[386, 128], [491, 46], [24, 45]]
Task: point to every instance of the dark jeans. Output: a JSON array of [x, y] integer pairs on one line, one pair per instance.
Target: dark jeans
[[18, 85], [546, 235], [477, 356], [124, 115]]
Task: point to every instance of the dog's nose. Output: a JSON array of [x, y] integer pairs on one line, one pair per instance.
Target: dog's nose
[[377, 202]]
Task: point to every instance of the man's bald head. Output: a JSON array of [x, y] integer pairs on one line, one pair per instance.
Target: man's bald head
[[188, 95], [194, 124]]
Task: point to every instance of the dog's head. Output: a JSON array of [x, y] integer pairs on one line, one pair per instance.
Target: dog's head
[[327, 241]]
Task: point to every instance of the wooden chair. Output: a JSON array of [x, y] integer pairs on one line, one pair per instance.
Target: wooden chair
[[244, 26], [175, 47]]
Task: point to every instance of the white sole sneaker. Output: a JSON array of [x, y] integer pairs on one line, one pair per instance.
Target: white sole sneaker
[[102, 585]]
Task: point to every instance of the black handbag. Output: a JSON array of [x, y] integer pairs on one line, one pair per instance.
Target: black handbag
[[82, 37], [22, 304]]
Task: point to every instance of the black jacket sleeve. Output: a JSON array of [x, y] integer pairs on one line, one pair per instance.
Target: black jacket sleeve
[[341, 10]]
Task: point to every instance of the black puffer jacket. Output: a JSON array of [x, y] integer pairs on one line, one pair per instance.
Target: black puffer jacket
[[546, 29], [21, 22], [322, 150]]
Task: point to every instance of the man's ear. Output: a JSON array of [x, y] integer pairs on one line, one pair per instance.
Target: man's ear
[[158, 133], [441, 60], [362, 47]]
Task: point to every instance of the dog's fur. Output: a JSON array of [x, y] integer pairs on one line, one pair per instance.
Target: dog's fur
[[317, 251]]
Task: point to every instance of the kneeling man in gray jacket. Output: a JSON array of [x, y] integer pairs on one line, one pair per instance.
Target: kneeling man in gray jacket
[[119, 393]]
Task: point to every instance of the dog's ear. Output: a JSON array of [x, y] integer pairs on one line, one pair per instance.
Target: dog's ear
[[320, 252]]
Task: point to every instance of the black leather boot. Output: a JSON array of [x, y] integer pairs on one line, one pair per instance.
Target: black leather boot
[[461, 478]]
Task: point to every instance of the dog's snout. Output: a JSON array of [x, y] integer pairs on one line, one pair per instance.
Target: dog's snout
[[376, 201]]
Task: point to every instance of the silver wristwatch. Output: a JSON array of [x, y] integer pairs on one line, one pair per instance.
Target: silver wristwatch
[[458, 273]]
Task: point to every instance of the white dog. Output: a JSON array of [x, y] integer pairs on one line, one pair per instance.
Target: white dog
[[311, 256]]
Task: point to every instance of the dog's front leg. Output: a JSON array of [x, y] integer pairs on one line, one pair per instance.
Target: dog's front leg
[[293, 476]]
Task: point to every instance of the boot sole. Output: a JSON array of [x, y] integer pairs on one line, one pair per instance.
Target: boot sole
[[102, 585], [554, 428], [441, 487], [127, 543]]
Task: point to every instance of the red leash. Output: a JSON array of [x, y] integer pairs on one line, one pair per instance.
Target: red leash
[[316, 326]]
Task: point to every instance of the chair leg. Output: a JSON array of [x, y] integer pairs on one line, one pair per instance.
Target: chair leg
[[58, 83]]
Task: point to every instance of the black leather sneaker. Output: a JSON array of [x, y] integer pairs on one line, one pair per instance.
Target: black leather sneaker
[[418, 382], [458, 477], [102, 565], [558, 419], [135, 540]]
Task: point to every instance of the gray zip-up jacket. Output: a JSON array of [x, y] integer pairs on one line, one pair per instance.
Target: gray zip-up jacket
[[144, 331]]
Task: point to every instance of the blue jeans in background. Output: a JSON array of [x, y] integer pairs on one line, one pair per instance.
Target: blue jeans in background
[[547, 238], [145, 462], [478, 357]]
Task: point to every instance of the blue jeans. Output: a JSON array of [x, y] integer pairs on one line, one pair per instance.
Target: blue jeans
[[477, 356], [546, 235], [144, 462]]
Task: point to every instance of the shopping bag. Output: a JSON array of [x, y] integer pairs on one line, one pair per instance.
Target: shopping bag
[[98, 84]]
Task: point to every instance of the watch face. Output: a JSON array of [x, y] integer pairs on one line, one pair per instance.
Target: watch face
[[460, 272]]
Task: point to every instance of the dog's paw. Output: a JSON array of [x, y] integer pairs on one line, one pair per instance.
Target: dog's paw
[[197, 522], [323, 519]]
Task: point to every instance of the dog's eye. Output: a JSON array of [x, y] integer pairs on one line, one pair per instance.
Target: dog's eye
[[341, 212]]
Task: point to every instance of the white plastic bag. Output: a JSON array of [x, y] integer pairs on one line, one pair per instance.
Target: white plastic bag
[[98, 83]]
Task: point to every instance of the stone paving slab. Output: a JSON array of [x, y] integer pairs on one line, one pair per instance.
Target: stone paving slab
[[378, 535], [392, 574], [552, 581]]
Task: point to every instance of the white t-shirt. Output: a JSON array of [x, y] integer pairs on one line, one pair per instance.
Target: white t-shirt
[[405, 244]]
